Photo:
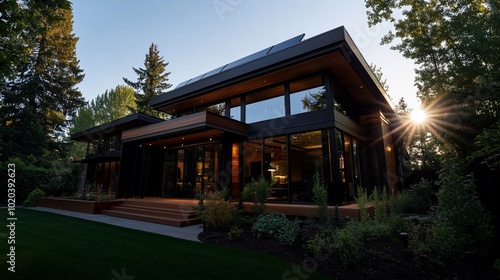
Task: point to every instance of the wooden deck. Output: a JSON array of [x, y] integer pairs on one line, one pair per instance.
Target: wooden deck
[[301, 210], [177, 211]]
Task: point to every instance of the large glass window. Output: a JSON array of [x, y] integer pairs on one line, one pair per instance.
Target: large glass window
[[307, 95], [252, 158], [309, 153], [276, 167], [265, 105], [308, 100], [348, 152]]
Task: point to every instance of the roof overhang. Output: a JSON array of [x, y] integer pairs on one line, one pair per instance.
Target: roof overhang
[[333, 51], [99, 158], [115, 127], [201, 126]]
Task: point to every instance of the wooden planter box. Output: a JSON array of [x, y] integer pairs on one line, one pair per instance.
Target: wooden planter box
[[83, 206]]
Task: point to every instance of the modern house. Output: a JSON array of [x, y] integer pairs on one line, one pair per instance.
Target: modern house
[[284, 113], [103, 153]]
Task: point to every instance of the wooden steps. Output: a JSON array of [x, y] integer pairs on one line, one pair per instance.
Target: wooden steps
[[160, 212]]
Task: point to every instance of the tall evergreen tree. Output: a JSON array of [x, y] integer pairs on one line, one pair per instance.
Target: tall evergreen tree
[[152, 80], [40, 98]]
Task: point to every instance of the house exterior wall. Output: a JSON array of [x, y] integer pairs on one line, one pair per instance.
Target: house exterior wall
[[314, 108]]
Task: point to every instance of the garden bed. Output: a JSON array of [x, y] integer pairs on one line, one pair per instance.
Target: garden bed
[[380, 259], [77, 205]]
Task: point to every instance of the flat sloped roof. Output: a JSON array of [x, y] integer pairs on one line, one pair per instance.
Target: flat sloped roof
[[324, 52], [114, 127]]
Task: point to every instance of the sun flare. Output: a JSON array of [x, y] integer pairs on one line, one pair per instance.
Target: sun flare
[[418, 116]]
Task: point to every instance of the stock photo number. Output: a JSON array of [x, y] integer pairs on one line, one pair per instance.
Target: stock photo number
[[11, 219]]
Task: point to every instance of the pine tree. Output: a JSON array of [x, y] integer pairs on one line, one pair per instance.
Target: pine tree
[[151, 81], [41, 98]]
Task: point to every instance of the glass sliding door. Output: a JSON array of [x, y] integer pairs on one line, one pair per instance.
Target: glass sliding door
[[170, 171], [191, 171], [308, 156]]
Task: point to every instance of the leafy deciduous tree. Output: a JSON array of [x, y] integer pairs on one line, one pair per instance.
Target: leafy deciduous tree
[[455, 44]]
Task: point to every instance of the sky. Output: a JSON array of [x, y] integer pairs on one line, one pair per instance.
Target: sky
[[196, 36]]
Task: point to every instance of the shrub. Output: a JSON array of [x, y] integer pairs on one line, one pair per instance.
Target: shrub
[[347, 246], [320, 198], [218, 213], [319, 245], [289, 234], [400, 203], [269, 225], [53, 178], [33, 197], [257, 192], [420, 197], [361, 201], [234, 233], [380, 206], [337, 221], [462, 224]]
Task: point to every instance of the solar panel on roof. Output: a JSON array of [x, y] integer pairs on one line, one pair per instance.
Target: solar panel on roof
[[195, 79], [247, 59], [183, 83], [213, 72], [276, 48], [286, 44]]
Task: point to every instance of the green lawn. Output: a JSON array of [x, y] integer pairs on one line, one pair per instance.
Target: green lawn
[[50, 246]]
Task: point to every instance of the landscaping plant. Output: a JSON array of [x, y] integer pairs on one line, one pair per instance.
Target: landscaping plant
[[462, 225], [33, 197], [321, 199], [218, 212], [257, 192]]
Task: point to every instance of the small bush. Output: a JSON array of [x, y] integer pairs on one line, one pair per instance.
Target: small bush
[[234, 233], [33, 197], [319, 245], [421, 196], [347, 246], [257, 192], [289, 234], [269, 225], [218, 213], [337, 221], [380, 205], [321, 199], [400, 203], [361, 201]]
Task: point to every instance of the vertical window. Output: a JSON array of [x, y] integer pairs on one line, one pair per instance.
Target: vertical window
[[348, 167], [265, 105], [235, 111], [357, 169], [252, 158], [170, 173], [309, 154], [276, 167]]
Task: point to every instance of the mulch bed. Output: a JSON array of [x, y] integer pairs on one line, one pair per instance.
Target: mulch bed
[[381, 259]]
